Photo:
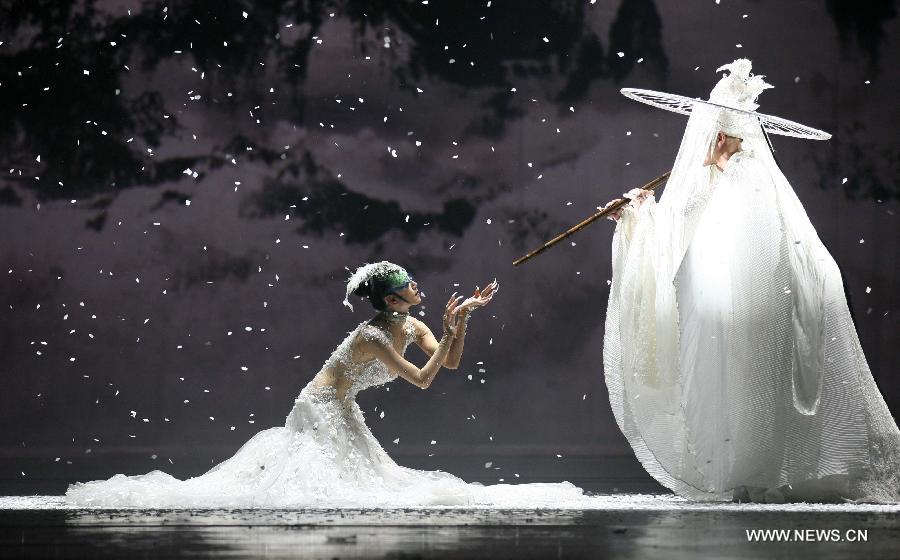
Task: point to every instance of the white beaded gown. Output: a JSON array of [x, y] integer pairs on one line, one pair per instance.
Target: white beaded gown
[[323, 456]]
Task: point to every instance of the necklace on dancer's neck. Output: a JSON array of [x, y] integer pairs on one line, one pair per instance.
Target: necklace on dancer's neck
[[393, 317]]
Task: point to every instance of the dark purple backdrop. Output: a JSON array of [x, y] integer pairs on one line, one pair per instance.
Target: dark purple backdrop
[[185, 185]]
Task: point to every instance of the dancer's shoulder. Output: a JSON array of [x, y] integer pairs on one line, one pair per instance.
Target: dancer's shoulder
[[417, 326], [748, 166], [372, 334], [744, 161], [417, 331]]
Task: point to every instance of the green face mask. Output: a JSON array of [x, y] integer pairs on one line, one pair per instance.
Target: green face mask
[[398, 280]]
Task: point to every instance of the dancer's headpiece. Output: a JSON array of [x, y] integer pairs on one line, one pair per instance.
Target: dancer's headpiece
[[363, 281]]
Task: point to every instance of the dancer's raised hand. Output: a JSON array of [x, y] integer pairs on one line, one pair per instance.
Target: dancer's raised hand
[[451, 315], [480, 298], [636, 198]]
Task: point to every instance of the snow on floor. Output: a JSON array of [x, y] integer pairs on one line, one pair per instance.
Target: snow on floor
[[608, 502]]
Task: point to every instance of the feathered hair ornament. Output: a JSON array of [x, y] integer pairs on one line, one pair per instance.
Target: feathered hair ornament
[[365, 274], [739, 88]]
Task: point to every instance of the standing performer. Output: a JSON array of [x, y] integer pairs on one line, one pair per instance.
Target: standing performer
[[733, 366], [325, 455]]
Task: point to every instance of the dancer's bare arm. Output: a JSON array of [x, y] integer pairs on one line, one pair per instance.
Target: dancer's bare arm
[[426, 340], [420, 377]]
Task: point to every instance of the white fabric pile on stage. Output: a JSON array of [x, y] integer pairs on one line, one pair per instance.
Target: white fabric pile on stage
[[732, 362], [324, 457]]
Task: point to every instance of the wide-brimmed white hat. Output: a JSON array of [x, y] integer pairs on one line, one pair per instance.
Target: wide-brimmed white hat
[[736, 93]]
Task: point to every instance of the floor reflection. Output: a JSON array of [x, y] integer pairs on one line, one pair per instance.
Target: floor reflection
[[628, 526]]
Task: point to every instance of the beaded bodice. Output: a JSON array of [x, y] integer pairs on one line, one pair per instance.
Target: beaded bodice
[[369, 373]]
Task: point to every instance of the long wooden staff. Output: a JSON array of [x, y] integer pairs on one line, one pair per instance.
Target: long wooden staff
[[601, 214]]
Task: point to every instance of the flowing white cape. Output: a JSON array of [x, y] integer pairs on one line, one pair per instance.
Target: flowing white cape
[[730, 355]]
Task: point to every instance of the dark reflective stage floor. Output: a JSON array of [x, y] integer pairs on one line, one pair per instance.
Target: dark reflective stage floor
[[622, 526]]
